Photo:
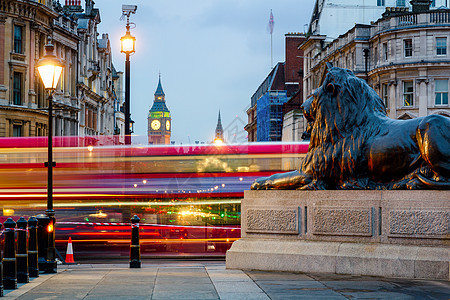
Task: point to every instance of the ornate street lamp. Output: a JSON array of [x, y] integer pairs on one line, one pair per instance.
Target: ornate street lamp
[[127, 46], [50, 69], [127, 42]]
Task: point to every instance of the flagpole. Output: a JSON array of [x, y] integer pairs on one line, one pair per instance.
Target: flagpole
[[271, 51], [270, 28]]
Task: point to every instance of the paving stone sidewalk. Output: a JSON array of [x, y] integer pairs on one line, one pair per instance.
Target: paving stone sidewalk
[[202, 280]]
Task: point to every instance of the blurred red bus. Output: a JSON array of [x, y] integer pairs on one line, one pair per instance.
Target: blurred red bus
[[188, 197]]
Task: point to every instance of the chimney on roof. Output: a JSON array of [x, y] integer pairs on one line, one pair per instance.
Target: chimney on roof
[[73, 2], [419, 6], [73, 6]]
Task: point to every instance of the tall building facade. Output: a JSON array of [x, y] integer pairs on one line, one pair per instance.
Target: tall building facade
[[25, 29], [98, 114], [404, 56], [334, 17], [159, 119], [265, 115], [84, 98]]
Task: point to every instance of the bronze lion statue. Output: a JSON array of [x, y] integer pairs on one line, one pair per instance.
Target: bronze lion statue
[[355, 145]]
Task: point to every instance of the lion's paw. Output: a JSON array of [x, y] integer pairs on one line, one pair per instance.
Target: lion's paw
[[263, 183], [313, 186]]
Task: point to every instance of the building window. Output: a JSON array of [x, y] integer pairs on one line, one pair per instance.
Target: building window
[[375, 57], [441, 89], [441, 46], [433, 3], [17, 88], [18, 39], [385, 51], [61, 80], [17, 130], [408, 93], [385, 93], [380, 3], [401, 3], [408, 47]]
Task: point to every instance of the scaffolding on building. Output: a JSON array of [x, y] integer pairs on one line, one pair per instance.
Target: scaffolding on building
[[269, 110]]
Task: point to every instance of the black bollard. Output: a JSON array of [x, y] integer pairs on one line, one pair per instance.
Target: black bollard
[[51, 251], [135, 248], [33, 268], [9, 256], [22, 256], [44, 224]]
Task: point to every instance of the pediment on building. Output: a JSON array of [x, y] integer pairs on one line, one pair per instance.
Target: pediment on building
[[407, 116]]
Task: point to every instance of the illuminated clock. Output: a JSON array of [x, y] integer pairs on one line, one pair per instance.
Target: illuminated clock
[[155, 124], [167, 125]]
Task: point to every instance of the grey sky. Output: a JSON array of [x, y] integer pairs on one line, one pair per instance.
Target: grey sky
[[212, 54]]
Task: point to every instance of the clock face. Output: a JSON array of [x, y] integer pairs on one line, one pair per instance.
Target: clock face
[[155, 124], [167, 125]]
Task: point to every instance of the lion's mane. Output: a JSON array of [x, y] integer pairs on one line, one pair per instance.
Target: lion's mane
[[343, 121]]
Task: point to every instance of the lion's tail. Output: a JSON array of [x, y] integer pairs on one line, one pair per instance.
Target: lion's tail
[[432, 183]]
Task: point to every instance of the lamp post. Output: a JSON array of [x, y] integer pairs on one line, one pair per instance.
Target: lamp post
[[50, 69], [127, 46]]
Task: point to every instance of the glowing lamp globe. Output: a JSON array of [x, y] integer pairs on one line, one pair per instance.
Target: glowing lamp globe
[[127, 43], [50, 68]]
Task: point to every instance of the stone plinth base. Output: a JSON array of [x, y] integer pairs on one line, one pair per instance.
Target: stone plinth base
[[340, 258], [379, 233]]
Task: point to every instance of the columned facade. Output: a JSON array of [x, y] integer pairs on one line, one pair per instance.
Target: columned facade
[[404, 57], [85, 102], [25, 27], [96, 95]]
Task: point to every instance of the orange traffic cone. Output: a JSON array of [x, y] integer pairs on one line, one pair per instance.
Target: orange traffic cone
[[69, 253]]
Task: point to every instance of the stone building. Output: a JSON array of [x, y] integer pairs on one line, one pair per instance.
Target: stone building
[[334, 17], [119, 116], [66, 105], [84, 98], [404, 56], [294, 124], [265, 115], [96, 93], [24, 29]]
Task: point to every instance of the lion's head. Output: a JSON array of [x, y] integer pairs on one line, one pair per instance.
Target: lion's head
[[340, 113]]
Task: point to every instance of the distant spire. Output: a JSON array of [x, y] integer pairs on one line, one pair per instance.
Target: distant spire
[[159, 89], [219, 129]]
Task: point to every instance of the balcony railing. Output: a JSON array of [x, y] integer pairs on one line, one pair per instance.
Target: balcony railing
[[434, 17], [440, 17]]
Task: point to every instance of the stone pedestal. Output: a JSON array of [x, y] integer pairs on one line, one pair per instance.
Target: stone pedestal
[[381, 233]]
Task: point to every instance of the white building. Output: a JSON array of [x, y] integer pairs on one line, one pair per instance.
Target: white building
[[335, 17], [404, 56]]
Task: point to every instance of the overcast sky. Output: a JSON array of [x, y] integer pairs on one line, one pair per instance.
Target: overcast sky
[[212, 54]]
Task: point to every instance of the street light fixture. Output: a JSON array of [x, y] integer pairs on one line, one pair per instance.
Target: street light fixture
[[50, 69], [127, 46], [127, 42]]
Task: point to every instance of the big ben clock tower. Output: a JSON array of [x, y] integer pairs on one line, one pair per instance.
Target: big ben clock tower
[[159, 120]]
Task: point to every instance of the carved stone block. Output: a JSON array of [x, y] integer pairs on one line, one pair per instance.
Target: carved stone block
[[273, 221], [333, 221], [419, 223]]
